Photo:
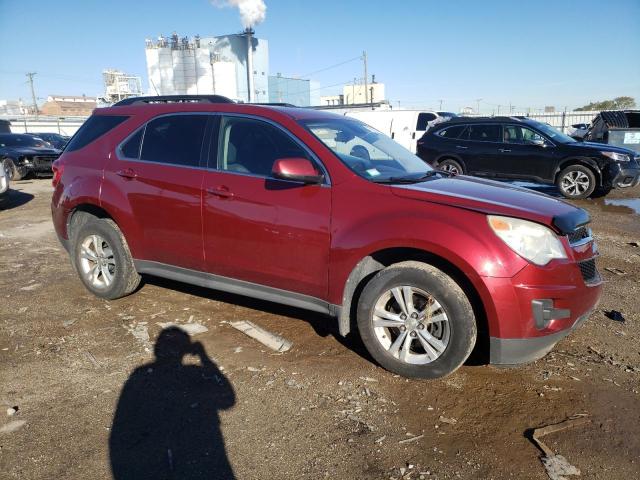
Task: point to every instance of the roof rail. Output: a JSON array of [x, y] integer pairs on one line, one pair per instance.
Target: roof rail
[[274, 104], [174, 99]]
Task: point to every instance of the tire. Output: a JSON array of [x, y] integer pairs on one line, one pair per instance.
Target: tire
[[436, 348], [576, 182], [15, 173], [102, 259], [452, 166]]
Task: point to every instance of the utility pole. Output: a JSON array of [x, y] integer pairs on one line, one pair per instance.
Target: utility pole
[[366, 84], [30, 75], [499, 110], [440, 104], [478, 100]]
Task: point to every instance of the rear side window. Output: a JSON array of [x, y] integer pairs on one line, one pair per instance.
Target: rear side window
[[424, 119], [93, 128], [452, 132], [131, 148], [485, 133], [174, 139]]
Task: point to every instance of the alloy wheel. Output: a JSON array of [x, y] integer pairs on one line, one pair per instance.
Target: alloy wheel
[[411, 325], [575, 183], [451, 168], [97, 262]]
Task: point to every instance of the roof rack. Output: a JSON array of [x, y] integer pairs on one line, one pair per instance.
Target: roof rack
[[174, 99], [274, 104]]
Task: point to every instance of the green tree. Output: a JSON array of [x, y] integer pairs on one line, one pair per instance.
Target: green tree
[[618, 103]]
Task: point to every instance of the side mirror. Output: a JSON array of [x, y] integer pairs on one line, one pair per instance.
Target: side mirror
[[538, 142], [297, 170]]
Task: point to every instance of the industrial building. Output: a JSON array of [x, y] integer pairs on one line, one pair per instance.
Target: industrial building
[[236, 66], [68, 105], [295, 91], [356, 93], [119, 85]]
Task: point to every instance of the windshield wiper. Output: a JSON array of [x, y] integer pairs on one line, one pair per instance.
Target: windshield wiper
[[410, 179]]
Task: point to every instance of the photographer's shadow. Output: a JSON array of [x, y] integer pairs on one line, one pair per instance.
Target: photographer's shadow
[[166, 424]]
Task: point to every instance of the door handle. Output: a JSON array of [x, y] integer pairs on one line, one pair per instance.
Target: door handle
[[129, 173], [222, 191], [504, 150], [461, 147]]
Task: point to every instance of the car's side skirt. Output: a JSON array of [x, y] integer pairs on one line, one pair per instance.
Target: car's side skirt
[[240, 287]]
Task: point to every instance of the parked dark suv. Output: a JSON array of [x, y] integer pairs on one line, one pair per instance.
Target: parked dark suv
[[523, 149], [272, 202]]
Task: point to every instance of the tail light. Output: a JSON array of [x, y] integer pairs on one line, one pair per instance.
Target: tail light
[[57, 172]]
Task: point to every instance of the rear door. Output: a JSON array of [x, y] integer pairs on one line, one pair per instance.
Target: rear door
[[158, 169], [257, 228], [479, 144]]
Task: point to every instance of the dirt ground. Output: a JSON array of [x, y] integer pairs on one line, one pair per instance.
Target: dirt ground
[[85, 374]]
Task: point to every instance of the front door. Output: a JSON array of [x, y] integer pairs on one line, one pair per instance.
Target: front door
[[526, 154], [158, 171], [257, 228]]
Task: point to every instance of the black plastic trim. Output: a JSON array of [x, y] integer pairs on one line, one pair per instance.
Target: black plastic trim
[[240, 287], [568, 222], [173, 99]]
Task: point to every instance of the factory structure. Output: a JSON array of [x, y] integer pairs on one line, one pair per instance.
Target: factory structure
[[236, 66]]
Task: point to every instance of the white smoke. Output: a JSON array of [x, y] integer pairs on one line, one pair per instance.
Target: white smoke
[[252, 12]]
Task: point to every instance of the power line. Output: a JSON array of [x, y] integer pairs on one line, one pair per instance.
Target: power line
[[359, 57]]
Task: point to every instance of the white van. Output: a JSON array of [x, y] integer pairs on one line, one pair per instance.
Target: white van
[[405, 126]]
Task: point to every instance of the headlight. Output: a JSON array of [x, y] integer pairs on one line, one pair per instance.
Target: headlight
[[530, 240], [618, 157]]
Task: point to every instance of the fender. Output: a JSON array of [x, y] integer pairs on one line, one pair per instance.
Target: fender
[[587, 161], [117, 204], [470, 250], [69, 195]]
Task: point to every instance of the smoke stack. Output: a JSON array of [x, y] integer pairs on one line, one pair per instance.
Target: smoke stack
[[250, 88]]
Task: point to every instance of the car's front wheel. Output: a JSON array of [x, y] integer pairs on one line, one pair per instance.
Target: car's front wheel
[[416, 321], [15, 173], [102, 259], [576, 182]]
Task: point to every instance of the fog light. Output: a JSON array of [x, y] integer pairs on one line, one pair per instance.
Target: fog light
[[544, 311]]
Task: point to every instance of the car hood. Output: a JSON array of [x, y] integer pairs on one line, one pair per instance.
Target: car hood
[[31, 151], [600, 147], [496, 198]]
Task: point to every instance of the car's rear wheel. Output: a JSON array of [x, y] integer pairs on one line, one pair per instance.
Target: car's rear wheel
[[576, 182], [416, 321], [450, 165], [102, 259]]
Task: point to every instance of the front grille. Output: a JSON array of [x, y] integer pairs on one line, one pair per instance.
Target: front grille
[[589, 271], [43, 161], [579, 234]]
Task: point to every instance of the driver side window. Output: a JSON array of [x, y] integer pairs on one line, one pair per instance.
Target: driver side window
[[252, 146], [515, 134]]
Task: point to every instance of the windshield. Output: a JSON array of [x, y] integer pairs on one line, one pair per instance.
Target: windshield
[[366, 151], [552, 133], [21, 141]]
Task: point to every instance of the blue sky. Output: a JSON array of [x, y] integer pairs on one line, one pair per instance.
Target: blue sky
[[532, 54]]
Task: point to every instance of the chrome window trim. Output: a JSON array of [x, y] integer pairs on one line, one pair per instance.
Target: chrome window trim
[[327, 178]]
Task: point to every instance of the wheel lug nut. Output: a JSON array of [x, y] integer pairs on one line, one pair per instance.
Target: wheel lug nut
[[414, 315], [420, 326], [403, 328], [413, 334], [403, 317]]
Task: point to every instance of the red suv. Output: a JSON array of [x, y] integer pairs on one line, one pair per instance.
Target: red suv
[[323, 212]]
